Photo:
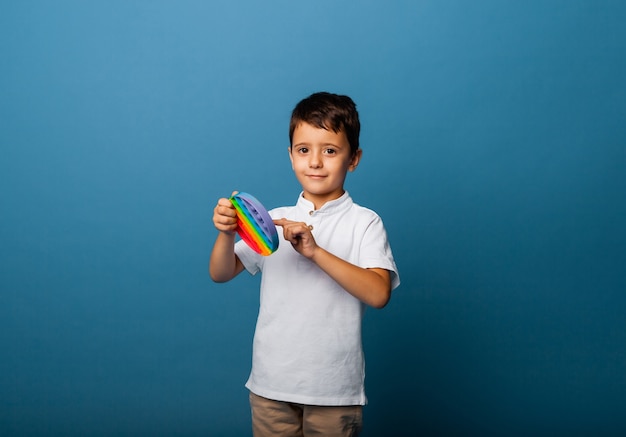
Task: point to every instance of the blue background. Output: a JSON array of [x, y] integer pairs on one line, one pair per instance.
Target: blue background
[[494, 137]]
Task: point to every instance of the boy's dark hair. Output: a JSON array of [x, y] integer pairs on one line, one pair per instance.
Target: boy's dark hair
[[331, 112]]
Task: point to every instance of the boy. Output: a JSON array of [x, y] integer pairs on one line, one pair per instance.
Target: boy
[[308, 372]]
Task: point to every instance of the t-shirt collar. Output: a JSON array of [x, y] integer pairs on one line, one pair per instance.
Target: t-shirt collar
[[329, 207]]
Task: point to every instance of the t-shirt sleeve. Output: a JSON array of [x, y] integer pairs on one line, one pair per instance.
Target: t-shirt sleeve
[[249, 258], [376, 252]]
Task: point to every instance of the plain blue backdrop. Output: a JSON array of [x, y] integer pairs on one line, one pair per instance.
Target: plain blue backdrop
[[494, 137]]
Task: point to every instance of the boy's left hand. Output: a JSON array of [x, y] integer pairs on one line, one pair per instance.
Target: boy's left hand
[[299, 235]]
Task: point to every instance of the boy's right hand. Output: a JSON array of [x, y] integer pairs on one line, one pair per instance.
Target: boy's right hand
[[225, 216]]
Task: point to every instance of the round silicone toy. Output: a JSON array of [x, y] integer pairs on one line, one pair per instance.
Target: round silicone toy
[[254, 224]]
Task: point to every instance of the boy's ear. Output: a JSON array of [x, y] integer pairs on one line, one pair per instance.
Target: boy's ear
[[289, 150], [356, 158]]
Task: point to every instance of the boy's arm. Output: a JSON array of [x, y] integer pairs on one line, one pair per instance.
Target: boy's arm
[[370, 286], [224, 264]]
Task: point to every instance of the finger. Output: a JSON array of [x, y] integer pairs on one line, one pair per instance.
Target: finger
[[288, 223], [226, 210], [224, 222], [225, 202], [225, 219], [283, 222], [296, 230]]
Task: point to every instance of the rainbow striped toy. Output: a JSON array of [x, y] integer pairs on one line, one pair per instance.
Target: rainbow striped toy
[[254, 224]]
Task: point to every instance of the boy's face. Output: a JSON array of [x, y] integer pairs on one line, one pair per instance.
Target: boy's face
[[321, 159]]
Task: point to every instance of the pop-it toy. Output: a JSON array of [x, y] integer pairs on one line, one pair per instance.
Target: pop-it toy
[[254, 224]]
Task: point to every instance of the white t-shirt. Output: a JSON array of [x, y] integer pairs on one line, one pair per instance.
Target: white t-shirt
[[307, 344]]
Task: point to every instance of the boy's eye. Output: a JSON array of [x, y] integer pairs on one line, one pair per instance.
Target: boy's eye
[[330, 151], [303, 150]]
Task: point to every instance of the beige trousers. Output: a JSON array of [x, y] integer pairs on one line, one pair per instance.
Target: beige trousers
[[285, 419]]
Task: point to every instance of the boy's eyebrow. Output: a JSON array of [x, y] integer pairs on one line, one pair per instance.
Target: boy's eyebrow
[[306, 143]]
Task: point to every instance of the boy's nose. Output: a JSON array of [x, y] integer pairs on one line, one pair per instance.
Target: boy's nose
[[315, 160]]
